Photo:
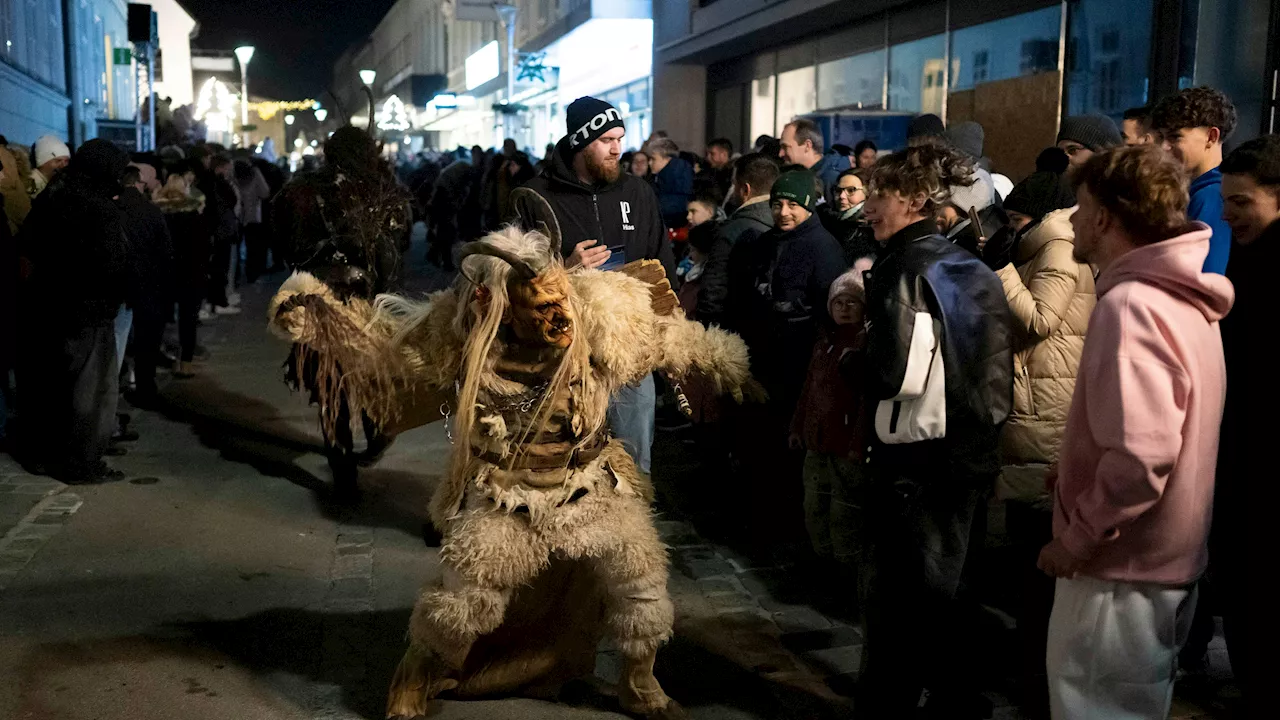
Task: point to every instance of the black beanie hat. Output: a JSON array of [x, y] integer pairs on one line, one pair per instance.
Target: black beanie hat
[[1045, 190], [929, 125], [1096, 132], [588, 118], [101, 161]]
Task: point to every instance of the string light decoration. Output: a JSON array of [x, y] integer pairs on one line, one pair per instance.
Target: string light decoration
[[268, 109], [393, 115]]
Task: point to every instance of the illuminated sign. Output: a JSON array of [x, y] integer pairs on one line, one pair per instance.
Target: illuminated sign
[[393, 115], [483, 65]]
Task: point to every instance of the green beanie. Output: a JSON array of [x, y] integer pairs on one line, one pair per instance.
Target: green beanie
[[796, 186]]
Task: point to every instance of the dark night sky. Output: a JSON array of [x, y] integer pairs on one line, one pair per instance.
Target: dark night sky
[[297, 41]]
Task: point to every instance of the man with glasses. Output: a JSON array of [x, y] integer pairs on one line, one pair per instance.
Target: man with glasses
[[843, 217]]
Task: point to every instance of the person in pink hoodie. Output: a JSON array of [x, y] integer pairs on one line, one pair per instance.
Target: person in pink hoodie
[[1133, 492]]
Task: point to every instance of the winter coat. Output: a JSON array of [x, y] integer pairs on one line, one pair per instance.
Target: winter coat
[[828, 169], [253, 194], [674, 187], [151, 252], [744, 225], [1134, 492], [1206, 206], [851, 231], [919, 272], [623, 216], [17, 203], [1051, 296], [781, 297], [76, 254], [831, 417]]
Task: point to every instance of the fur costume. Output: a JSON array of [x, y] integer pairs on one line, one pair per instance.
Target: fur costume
[[549, 543]]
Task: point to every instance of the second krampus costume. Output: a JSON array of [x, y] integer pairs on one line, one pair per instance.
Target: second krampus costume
[[347, 224], [549, 543]]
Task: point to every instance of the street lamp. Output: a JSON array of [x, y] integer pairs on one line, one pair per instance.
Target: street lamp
[[368, 76], [321, 114], [244, 54]]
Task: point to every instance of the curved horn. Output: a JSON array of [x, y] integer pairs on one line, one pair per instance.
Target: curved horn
[[342, 112], [369, 91], [521, 266]]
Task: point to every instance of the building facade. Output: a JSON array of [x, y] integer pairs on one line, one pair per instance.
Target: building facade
[[742, 68], [67, 67], [449, 73]]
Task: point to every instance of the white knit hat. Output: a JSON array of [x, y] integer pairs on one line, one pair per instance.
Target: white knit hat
[[49, 147], [979, 196]]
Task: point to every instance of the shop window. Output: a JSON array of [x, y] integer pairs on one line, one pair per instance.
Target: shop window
[[1007, 48], [913, 71], [856, 81], [1110, 56], [796, 94], [762, 107], [7, 17]]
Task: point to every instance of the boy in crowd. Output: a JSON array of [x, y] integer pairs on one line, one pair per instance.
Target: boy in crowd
[[1194, 124], [1136, 126]]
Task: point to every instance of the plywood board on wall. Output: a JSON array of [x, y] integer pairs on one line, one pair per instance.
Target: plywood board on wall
[[1019, 117]]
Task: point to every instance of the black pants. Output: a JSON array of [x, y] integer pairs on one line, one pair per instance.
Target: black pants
[[922, 536], [1031, 528], [255, 250], [148, 333], [67, 393], [220, 271], [440, 244], [189, 302]]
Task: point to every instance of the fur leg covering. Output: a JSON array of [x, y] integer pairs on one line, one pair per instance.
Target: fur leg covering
[[419, 678]]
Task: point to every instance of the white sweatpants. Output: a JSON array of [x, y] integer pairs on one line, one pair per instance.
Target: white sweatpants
[[1113, 648]]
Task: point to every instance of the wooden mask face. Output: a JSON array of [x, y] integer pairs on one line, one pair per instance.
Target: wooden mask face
[[540, 312]]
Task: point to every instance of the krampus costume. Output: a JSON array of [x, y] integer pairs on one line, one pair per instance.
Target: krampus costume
[[348, 225], [549, 543]]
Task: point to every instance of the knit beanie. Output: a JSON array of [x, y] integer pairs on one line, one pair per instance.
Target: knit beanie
[[1096, 132], [967, 137], [850, 283], [588, 118], [48, 148], [979, 196], [925, 126], [796, 186]]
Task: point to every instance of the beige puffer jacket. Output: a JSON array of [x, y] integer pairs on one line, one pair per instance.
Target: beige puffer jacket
[[1051, 297]]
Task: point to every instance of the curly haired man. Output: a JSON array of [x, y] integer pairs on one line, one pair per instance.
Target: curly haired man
[[1194, 124]]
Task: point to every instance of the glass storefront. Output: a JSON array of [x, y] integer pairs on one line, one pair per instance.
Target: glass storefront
[[797, 94], [762, 107], [1108, 56], [916, 72], [1008, 48], [856, 81]]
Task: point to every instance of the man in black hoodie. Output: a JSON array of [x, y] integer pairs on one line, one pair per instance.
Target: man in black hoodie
[[604, 219], [939, 352], [76, 276]]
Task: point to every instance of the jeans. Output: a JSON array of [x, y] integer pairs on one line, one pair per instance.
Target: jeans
[[1113, 648], [631, 417], [922, 534], [124, 323]]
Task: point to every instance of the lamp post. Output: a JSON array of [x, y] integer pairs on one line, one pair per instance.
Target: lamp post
[[368, 76], [507, 14], [244, 54]]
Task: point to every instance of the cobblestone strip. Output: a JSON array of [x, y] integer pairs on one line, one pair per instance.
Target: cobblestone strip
[[44, 521], [781, 641], [348, 611]]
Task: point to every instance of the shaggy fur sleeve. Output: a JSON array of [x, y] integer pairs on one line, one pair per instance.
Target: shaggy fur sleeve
[[628, 340]]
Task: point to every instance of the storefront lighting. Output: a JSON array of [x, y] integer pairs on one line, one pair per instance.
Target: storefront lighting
[[483, 65], [393, 115]]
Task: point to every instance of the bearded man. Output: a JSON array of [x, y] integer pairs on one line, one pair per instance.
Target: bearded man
[[605, 218]]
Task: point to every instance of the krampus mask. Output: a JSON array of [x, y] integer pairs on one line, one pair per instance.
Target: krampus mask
[[538, 310]]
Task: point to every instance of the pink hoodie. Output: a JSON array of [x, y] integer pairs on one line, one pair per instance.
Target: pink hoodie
[[1135, 483]]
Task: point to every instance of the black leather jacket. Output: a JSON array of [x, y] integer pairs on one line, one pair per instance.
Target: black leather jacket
[[920, 271]]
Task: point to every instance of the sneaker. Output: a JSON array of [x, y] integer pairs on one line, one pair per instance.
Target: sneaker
[[226, 310], [233, 299]]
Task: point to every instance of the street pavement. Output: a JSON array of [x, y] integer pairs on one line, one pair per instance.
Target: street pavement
[[219, 580]]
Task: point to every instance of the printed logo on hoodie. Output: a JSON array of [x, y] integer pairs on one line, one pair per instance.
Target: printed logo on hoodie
[[625, 207]]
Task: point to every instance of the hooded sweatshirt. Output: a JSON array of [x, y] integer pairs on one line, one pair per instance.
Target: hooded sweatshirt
[[1134, 492]]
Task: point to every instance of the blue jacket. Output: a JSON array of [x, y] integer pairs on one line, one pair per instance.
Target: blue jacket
[[674, 186], [1206, 206], [828, 170]]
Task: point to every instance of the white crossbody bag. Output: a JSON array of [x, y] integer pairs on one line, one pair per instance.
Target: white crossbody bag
[[919, 411]]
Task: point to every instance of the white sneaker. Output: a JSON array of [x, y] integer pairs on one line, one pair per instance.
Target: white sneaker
[[204, 314], [227, 310], [233, 299]]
